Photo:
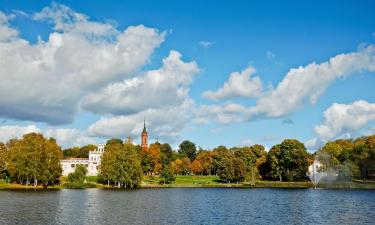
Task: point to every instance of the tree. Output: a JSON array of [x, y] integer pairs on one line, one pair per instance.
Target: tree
[[151, 158], [121, 165], [294, 159], [79, 175], [230, 168], [79, 152], [167, 175], [166, 154], [188, 149], [196, 167], [274, 165], [206, 161], [3, 160], [34, 158]]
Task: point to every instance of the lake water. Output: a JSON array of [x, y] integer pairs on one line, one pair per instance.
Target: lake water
[[188, 206]]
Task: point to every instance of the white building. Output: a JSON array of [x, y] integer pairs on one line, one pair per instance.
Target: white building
[[92, 163]]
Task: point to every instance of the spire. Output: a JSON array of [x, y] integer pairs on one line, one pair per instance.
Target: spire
[[144, 125]]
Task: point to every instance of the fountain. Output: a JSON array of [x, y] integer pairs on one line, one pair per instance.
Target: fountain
[[315, 173]]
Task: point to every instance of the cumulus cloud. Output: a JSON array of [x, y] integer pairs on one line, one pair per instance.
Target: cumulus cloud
[[345, 118], [78, 57], [8, 132], [6, 33], [164, 123], [239, 84], [66, 137], [166, 86], [298, 86], [309, 82], [224, 114]]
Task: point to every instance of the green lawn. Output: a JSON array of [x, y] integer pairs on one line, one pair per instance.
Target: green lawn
[[196, 180]]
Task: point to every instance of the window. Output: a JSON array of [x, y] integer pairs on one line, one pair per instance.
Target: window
[[72, 165]]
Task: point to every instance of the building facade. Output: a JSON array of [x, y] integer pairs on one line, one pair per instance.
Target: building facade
[[93, 162]]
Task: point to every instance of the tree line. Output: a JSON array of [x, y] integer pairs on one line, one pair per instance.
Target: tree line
[[34, 159]]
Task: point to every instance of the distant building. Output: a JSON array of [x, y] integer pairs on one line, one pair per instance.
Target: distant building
[[93, 162], [144, 136]]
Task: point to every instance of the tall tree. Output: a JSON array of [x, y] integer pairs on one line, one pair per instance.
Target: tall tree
[[166, 154], [274, 165], [35, 158], [288, 160], [121, 165], [3, 160], [188, 149]]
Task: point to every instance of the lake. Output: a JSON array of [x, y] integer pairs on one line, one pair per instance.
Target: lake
[[188, 206]]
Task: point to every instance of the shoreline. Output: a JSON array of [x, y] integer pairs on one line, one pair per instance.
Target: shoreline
[[260, 184]]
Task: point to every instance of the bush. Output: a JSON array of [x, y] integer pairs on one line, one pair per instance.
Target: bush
[[167, 176], [79, 175]]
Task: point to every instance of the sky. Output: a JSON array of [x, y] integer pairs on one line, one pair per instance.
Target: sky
[[232, 73]]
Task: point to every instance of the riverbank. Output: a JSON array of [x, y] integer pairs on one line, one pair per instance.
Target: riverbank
[[204, 181]]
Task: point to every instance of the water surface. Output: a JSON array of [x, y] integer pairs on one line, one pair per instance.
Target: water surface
[[188, 206]]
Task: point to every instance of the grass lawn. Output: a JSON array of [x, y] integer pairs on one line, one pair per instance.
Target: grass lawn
[[196, 180], [187, 181]]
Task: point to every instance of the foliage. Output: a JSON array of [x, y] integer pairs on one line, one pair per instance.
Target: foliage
[[188, 149], [167, 176], [288, 161], [151, 158], [79, 175], [121, 165], [79, 152], [3, 161], [34, 158]]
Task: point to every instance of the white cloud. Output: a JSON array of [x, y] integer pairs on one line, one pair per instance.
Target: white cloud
[[6, 33], [206, 44], [309, 82], [224, 114], [8, 132], [166, 86], [165, 123], [239, 84], [66, 137], [312, 143], [245, 142], [340, 119], [79, 57]]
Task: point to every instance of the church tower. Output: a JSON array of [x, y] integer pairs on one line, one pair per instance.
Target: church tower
[[144, 136]]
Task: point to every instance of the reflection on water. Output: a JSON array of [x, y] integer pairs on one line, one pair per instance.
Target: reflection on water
[[188, 206]]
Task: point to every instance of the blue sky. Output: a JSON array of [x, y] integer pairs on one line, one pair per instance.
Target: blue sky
[[221, 37]]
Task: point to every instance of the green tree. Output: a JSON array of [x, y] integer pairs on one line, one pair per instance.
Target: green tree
[[188, 149], [274, 165], [167, 175], [79, 175], [34, 158], [294, 159], [121, 165], [166, 154], [3, 160]]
